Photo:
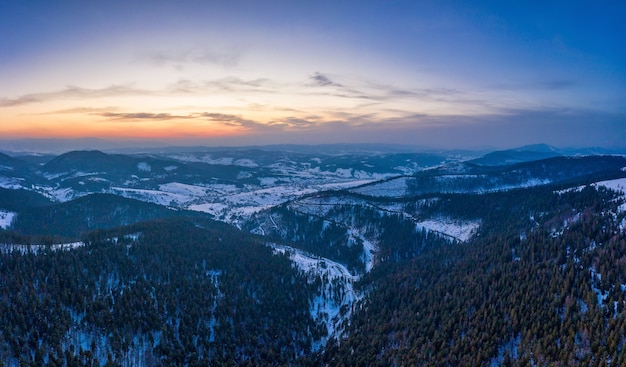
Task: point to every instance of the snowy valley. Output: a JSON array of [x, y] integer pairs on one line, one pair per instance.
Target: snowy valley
[[334, 227]]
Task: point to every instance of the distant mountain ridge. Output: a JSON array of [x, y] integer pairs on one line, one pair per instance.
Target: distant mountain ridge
[[536, 152], [518, 155]]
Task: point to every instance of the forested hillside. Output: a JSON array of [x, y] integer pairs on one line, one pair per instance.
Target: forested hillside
[[462, 264], [527, 290], [96, 211], [160, 293]]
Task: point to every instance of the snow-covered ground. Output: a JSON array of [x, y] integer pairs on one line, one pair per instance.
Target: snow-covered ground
[[6, 218], [10, 183], [239, 204], [154, 196], [616, 185], [369, 248], [333, 305], [391, 188], [457, 229], [234, 207], [183, 189], [6, 248], [222, 161], [320, 205]]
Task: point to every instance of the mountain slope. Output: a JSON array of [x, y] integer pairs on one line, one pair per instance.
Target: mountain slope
[[170, 292], [471, 178], [14, 172], [512, 156], [96, 211], [16, 200], [518, 294]]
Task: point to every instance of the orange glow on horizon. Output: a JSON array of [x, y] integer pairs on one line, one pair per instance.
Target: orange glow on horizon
[[119, 130]]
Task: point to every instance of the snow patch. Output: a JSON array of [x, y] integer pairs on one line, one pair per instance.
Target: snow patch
[[6, 218], [63, 195], [8, 248], [183, 189], [595, 279], [391, 188], [369, 248], [457, 229], [618, 185], [333, 305], [267, 181], [10, 183], [153, 196], [245, 163], [144, 167]]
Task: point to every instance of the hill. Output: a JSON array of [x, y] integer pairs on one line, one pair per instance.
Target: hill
[[512, 156], [96, 211]]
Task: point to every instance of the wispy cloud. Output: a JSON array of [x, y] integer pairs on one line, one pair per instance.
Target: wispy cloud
[[298, 123], [80, 110], [137, 116], [178, 59], [231, 120], [373, 92], [287, 123], [73, 92], [321, 80], [228, 84]]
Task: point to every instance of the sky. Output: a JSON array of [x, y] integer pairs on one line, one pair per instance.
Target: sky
[[441, 74]]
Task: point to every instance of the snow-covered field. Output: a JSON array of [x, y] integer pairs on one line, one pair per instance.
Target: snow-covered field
[[236, 205], [153, 196], [391, 188]]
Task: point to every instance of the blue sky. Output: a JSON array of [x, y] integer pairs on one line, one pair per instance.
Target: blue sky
[[444, 74]]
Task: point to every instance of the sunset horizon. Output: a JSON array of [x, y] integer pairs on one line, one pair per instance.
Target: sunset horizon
[[451, 75]]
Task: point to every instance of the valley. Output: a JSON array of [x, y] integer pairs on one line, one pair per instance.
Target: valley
[[207, 252]]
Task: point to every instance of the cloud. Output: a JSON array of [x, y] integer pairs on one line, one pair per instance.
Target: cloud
[[183, 86], [283, 124], [379, 93], [320, 80], [79, 110], [141, 116], [231, 120], [228, 84], [297, 122], [30, 98], [191, 56], [73, 92]]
